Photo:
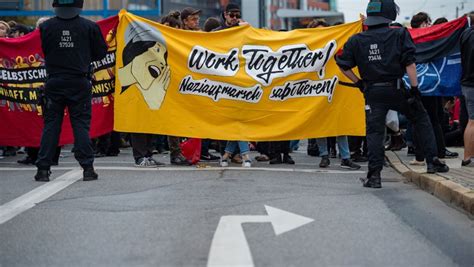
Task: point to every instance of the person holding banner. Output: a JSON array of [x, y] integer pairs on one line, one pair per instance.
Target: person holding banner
[[467, 83], [231, 17], [70, 44], [383, 55], [4, 29]]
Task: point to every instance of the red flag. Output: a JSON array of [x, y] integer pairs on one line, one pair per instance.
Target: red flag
[[22, 77]]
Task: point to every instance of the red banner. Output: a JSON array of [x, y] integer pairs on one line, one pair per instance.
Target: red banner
[[22, 77]]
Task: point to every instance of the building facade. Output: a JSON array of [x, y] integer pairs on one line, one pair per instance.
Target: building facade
[[271, 14], [292, 14]]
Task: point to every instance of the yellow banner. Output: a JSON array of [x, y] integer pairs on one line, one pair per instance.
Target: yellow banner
[[237, 84]]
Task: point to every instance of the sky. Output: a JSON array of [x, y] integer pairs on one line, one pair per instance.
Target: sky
[[435, 8]]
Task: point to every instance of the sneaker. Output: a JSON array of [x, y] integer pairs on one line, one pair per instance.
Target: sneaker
[[209, 157], [359, 158], [247, 164], [42, 175], [449, 154], [224, 163], [467, 163], [288, 159], [89, 174], [155, 162], [180, 161], [348, 164], [437, 166], [144, 163], [324, 162], [416, 163]]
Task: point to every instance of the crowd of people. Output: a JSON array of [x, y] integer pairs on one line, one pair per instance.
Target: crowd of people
[[451, 118]]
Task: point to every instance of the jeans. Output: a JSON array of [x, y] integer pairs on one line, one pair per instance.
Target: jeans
[[231, 147], [342, 143]]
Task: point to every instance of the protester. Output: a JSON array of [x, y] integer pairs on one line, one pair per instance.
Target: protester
[[211, 24], [231, 148], [190, 19], [440, 21], [172, 20], [342, 141], [467, 83], [231, 17], [4, 29], [280, 152], [450, 123], [433, 106], [420, 20], [142, 150], [343, 144], [318, 23], [176, 155], [19, 30]]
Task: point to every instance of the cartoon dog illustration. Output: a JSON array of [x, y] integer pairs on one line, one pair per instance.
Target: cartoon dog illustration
[[145, 63]]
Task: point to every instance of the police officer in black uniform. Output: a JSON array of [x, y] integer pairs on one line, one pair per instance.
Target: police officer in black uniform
[[383, 55], [70, 43]]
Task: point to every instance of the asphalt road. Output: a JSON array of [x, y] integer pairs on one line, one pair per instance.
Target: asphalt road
[[168, 217]]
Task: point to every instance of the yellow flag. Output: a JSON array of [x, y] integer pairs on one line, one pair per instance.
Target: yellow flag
[[237, 84]]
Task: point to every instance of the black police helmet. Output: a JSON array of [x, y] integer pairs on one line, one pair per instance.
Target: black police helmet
[[381, 12], [68, 9]]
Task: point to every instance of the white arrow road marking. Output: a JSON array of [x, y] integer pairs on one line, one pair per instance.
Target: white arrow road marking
[[37, 195], [229, 246]]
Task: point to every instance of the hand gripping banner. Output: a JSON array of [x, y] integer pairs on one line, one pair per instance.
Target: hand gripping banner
[[237, 84], [22, 77]]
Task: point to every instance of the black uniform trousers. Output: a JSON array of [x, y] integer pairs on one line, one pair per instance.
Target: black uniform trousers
[[382, 99], [75, 94]]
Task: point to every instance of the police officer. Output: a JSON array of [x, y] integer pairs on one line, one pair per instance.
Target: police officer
[[70, 43], [383, 55]]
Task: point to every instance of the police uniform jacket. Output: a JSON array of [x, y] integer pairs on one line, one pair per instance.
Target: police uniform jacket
[[70, 45], [381, 53]]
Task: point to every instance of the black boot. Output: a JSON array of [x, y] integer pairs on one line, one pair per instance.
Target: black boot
[[89, 174], [276, 159], [373, 180], [437, 166], [42, 175], [397, 143], [287, 159]]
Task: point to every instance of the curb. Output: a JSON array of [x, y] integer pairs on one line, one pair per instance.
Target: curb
[[444, 189]]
